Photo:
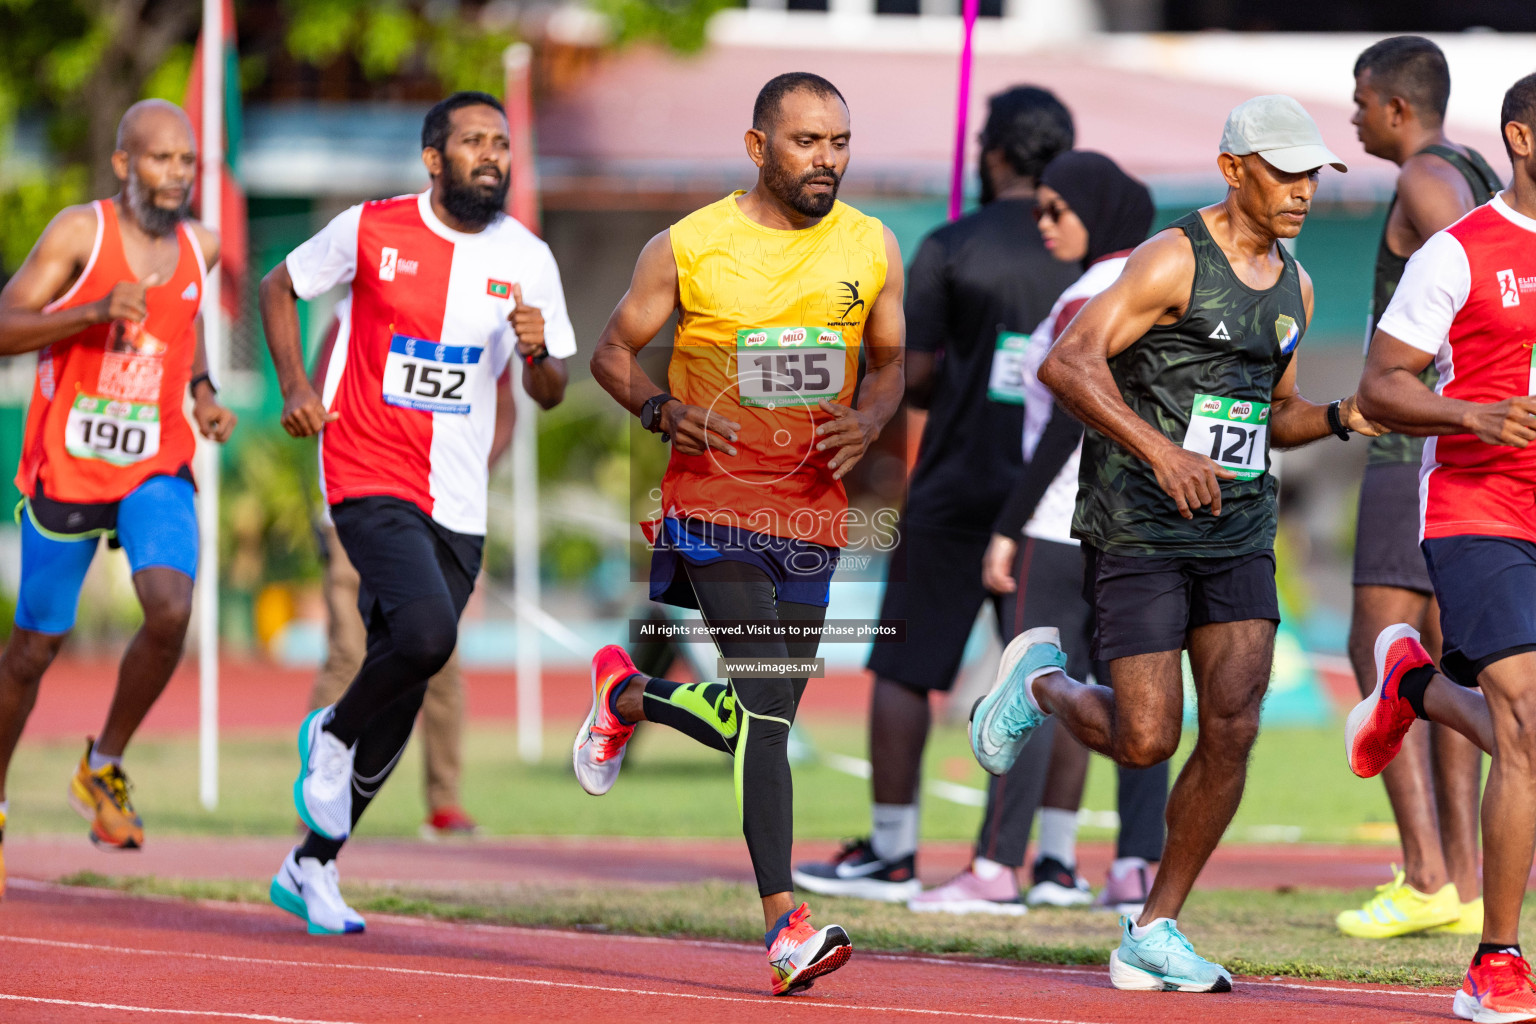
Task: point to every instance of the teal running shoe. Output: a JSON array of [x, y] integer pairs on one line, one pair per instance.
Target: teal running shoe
[[1003, 720], [1163, 961]]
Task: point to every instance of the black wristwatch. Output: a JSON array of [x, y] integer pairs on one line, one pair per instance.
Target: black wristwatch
[[202, 378], [650, 412], [1336, 422]]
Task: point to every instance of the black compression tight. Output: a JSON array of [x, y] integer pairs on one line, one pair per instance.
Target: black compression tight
[[747, 718]]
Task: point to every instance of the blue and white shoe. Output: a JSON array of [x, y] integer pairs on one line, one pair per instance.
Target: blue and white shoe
[[1163, 961], [1003, 720], [322, 794], [308, 889]]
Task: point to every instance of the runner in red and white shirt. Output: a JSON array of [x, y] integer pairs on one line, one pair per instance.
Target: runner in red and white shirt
[[1468, 301], [444, 290]]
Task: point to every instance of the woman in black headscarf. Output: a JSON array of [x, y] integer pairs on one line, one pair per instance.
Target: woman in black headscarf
[[1093, 214]]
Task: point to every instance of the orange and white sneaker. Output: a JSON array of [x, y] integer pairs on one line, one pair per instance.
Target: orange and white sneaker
[[1374, 731], [101, 798], [2, 855], [599, 748], [799, 954], [1496, 991]]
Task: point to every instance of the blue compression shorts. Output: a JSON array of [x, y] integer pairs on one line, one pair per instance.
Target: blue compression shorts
[[156, 525]]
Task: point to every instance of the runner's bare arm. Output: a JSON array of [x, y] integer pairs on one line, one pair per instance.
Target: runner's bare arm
[[851, 432], [208, 242], [1295, 421], [544, 379], [213, 420], [643, 311], [1153, 287], [55, 262], [1431, 195], [506, 419], [1392, 394], [303, 411]]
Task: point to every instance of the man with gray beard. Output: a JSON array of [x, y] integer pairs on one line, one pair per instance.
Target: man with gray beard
[[111, 300]]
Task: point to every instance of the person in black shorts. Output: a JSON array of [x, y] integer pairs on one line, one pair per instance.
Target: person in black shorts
[[1182, 370], [1401, 88], [976, 288], [1091, 215]]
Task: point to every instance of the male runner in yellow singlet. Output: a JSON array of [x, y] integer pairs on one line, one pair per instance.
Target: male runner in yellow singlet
[[776, 289]]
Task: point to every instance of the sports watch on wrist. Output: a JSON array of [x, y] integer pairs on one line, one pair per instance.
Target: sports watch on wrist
[[1336, 422], [650, 412]]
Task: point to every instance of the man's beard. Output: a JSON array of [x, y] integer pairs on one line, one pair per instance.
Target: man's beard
[[471, 204], [789, 188], [155, 220]]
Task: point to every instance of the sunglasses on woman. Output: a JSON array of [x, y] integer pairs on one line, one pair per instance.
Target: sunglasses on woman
[[1053, 210]]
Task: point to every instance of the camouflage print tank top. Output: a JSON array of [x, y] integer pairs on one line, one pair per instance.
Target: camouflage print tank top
[[1484, 182], [1205, 382]]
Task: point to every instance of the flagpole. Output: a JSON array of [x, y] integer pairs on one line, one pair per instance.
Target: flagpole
[[523, 204], [207, 451], [962, 113]]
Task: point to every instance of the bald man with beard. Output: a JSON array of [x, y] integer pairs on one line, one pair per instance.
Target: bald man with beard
[[110, 298]]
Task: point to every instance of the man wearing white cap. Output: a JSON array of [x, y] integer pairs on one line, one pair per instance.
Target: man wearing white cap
[[1184, 372]]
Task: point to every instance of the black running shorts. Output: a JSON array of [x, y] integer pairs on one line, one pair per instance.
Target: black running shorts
[[1387, 531], [1145, 604], [934, 585]]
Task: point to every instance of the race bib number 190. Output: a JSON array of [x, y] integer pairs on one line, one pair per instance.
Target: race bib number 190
[[797, 366], [113, 431], [1231, 432], [429, 377]]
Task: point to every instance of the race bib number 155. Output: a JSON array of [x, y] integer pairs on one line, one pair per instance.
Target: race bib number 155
[[1231, 432], [429, 377], [798, 366]]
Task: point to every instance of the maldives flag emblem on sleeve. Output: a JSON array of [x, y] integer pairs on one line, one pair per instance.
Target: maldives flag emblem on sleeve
[[500, 289]]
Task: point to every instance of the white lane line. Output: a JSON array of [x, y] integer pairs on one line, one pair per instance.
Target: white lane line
[[462, 976], [739, 947], [156, 1009]]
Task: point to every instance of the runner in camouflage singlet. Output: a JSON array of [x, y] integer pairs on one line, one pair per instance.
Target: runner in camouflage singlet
[[1184, 371], [1233, 343]]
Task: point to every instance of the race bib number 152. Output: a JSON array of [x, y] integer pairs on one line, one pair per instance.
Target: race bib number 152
[[429, 377], [1231, 432]]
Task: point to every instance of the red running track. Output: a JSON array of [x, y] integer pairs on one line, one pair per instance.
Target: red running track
[[74, 955]]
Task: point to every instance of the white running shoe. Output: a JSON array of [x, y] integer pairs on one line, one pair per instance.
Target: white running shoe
[[309, 889], [322, 793]]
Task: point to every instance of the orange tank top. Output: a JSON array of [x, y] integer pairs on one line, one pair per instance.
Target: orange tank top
[[107, 409], [771, 324]]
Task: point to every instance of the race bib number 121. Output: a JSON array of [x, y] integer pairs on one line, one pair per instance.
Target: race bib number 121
[[1231, 432]]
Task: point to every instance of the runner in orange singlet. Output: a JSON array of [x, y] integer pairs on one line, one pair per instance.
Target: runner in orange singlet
[[110, 298]]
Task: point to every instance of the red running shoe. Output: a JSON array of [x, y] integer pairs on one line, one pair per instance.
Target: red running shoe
[[449, 823], [1497, 991], [1374, 731], [799, 953], [599, 748]]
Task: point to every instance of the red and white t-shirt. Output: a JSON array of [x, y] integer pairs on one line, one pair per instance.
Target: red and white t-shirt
[[1468, 297], [1052, 519], [423, 337]]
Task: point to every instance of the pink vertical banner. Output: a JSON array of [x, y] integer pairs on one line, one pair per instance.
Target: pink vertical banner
[[962, 113]]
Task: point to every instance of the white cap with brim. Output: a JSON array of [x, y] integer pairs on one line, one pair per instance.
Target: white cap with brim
[[1281, 131]]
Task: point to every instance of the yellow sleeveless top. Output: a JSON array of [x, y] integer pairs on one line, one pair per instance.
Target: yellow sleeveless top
[[771, 323]]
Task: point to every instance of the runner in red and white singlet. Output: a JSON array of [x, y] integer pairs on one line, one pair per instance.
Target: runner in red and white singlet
[[443, 289], [1467, 301], [111, 298]]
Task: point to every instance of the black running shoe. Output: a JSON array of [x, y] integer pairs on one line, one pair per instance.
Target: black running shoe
[[1057, 885], [856, 871]]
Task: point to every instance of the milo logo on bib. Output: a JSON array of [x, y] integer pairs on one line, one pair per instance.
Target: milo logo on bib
[[774, 368], [1233, 433]]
